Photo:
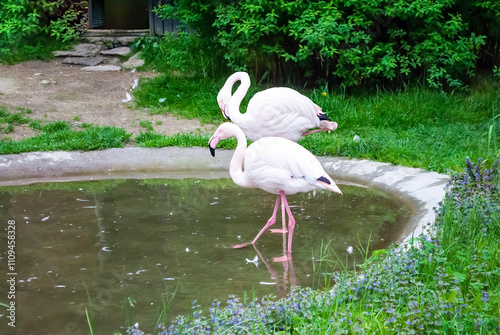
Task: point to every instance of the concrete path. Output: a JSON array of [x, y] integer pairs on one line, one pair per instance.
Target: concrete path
[[419, 189]]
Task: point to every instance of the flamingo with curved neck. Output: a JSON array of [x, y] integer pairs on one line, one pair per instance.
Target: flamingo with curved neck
[[275, 165], [277, 111]]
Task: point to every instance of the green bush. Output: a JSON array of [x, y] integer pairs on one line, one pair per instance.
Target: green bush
[[18, 20], [64, 20], [350, 42], [33, 29]]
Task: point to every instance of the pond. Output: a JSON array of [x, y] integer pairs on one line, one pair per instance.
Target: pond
[[121, 250]]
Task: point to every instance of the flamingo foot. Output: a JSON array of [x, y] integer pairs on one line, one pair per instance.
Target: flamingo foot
[[239, 246], [283, 231]]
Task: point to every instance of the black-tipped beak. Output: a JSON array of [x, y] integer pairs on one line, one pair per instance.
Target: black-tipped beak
[[212, 143], [324, 180], [224, 113]]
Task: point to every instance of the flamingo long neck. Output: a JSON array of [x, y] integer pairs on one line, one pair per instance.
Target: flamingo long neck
[[234, 104], [236, 166]]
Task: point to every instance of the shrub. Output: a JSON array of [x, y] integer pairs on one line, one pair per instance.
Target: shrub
[[347, 42], [33, 29]]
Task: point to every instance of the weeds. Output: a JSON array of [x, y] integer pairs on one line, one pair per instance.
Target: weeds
[[10, 120], [146, 124]]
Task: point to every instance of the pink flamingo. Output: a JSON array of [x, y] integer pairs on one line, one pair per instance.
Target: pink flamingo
[[275, 165], [277, 111]]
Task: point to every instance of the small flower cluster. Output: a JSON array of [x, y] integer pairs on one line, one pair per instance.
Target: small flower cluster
[[475, 180]]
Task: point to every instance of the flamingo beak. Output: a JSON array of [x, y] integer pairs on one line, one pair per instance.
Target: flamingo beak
[[223, 108], [212, 143], [331, 185]]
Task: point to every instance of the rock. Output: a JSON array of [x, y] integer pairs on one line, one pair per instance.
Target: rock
[[87, 61], [102, 68], [48, 82], [114, 61], [133, 62], [121, 51], [81, 50]]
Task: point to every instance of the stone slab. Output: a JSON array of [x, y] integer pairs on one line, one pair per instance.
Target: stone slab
[[133, 64], [80, 50], [121, 51], [87, 61], [102, 68]]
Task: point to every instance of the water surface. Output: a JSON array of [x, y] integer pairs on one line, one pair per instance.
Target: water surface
[[121, 248]]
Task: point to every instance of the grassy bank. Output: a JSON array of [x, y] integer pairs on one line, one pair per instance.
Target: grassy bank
[[447, 282], [416, 127], [57, 135]]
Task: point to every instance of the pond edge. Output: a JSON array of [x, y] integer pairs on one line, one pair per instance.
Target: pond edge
[[419, 189]]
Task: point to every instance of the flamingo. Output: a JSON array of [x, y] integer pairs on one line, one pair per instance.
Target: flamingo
[[275, 165], [277, 111]]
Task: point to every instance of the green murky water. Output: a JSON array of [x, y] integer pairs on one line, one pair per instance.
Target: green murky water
[[105, 245]]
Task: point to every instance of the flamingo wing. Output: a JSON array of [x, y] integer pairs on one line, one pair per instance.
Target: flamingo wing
[[277, 164], [280, 112]]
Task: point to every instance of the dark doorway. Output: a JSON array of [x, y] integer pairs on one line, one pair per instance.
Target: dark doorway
[[118, 14]]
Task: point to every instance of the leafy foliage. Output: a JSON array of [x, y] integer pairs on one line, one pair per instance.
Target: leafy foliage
[[349, 43], [64, 20], [32, 29]]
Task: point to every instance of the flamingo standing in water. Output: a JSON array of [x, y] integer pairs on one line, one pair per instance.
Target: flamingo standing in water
[[275, 165], [277, 111]]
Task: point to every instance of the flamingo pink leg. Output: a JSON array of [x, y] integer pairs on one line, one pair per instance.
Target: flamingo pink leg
[[269, 223], [291, 225], [283, 220], [291, 222], [334, 125]]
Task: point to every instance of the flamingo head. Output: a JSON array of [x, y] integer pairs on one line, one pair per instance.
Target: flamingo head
[[225, 130], [223, 101]]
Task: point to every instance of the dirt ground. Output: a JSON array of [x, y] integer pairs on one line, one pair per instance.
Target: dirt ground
[[54, 91]]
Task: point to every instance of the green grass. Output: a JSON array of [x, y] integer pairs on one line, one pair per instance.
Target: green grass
[[416, 127], [184, 97], [156, 140], [59, 136], [10, 120], [146, 124]]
